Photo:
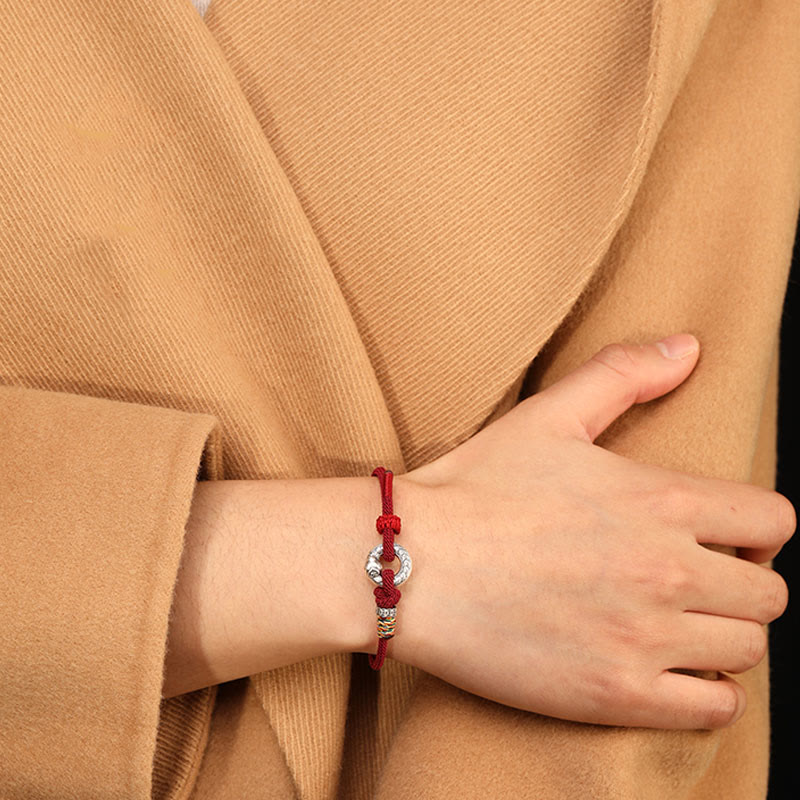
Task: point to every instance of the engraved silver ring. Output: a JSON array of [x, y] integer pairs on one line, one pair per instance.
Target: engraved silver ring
[[373, 565]]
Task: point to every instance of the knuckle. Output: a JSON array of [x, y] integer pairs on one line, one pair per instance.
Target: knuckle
[[776, 597], [632, 633], [629, 695], [722, 711], [674, 502], [618, 358], [602, 686], [673, 579], [636, 570], [665, 578], [613, 686], [755, 644]]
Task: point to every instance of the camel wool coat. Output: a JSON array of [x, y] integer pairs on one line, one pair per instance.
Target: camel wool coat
[[294, 239]]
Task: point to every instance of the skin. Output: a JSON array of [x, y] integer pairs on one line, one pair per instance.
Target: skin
[[549, 574]]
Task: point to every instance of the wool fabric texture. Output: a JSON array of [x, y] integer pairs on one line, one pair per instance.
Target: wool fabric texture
[[295, 240]]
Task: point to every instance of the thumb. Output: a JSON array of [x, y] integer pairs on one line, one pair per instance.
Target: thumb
[[592, 396]]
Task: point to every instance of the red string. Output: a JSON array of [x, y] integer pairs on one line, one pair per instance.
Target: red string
[[388, 525]]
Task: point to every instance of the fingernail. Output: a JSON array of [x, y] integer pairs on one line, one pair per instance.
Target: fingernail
[[679, 345]]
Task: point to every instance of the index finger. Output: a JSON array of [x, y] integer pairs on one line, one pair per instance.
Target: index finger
[[756, 520]]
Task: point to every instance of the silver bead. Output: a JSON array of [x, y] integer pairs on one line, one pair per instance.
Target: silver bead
[[386, 612], [373, 566]]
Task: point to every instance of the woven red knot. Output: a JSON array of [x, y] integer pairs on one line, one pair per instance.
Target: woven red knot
[[388, 522], [387, 595], [388, 525]]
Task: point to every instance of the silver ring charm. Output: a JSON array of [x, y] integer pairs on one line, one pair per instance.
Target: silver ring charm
[[373, 565]]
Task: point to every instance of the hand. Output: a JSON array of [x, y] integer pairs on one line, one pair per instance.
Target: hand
[[558, 577]]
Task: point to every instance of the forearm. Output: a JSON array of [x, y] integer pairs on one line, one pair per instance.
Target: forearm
[[272, 573]]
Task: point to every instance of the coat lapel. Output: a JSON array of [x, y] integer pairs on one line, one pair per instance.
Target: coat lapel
[[462, 166]]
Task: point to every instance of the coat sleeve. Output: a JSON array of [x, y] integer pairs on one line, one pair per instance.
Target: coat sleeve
[[94, 500]]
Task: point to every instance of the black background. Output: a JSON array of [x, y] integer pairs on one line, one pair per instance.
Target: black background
[[784, 783]]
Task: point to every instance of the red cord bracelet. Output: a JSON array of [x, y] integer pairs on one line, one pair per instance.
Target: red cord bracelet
[[386, 592]]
